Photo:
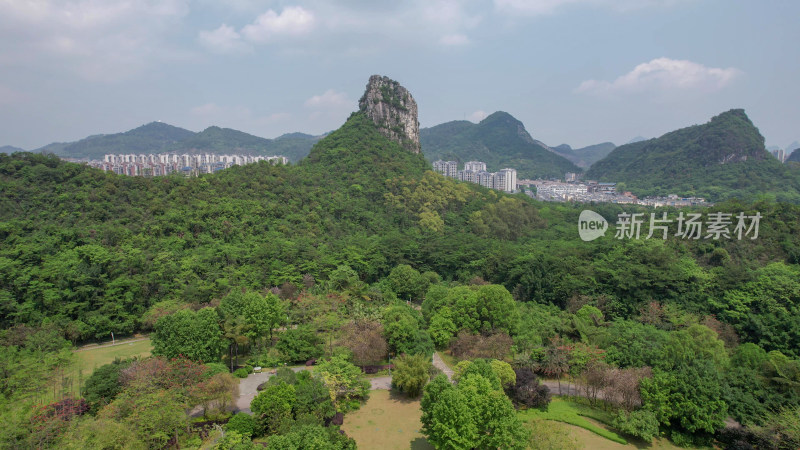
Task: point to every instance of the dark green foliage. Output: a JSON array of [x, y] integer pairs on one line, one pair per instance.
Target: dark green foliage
[[312, 436], [500, 141], [241, 373], [724, 158], [299, 345], [188, 334], [103, 385]]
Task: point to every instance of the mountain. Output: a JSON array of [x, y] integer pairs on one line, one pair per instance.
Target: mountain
[[158, 137], [500, 141], [724, 158], [154, 137], [586, 156], [794, 157], [10, 149], [637, 139]]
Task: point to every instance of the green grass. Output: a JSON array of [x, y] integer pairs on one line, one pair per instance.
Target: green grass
[[573, 414], [89, 358]]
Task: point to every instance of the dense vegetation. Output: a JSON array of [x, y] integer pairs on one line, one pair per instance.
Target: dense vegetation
[[722, 159], [157, 137], [586, 156], [269, 265], [500, 141]]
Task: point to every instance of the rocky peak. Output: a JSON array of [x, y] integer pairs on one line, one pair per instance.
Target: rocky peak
[[392, 108]]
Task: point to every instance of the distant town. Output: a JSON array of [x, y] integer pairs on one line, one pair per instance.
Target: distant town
[[161, 164], [571, 189]]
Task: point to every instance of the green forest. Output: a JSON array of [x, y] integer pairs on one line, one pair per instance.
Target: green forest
[[360, 256]]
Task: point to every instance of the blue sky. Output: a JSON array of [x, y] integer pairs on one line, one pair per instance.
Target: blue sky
[[573, 71]]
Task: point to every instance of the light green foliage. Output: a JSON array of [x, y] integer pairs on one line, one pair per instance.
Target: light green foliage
[[504, 372], [697, 342], [234, 440], [91, 433], [193, 335], [407, 282], [155, 417], [564, 411], [477, 308], [345, 382], [411, 373], [641, 423], [442, 328], [401, 327]]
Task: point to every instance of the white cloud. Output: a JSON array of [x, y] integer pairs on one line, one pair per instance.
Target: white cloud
[[224, 39], [292, 21], [329, 99], [545, 7], [456, 39], [477, 116], [664, 74], [98, 40]]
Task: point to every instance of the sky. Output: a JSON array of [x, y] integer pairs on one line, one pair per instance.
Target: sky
[[578, 72]]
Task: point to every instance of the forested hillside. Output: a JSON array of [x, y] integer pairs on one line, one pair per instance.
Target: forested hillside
[[724, 158], [500, 141], [158, 137], [282, 264]]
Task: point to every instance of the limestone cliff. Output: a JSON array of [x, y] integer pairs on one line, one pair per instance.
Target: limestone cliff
[[393, 110]]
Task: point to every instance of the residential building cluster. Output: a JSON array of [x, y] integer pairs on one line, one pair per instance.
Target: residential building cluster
[[780, 155], [166, 163], [475, 172], [593, 191]]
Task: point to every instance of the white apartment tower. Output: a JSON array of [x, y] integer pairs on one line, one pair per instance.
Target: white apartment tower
[[475, 166]]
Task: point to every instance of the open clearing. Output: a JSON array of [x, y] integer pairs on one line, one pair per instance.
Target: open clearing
[[387, 421], [90, 358]]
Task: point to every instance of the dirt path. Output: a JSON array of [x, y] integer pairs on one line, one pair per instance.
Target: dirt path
[[439, 363]]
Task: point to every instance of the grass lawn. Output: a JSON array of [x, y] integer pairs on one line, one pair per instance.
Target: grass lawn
[[386, 421], [90, 358], [574, 414], [590, 440]]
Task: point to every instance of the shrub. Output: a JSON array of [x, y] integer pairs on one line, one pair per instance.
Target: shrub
[[641, 423], [242, 423], [215, 368], [241, 373], [527, 391]]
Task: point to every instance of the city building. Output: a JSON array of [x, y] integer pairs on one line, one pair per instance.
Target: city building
[[475, 166], [446, 168], [166, 163]]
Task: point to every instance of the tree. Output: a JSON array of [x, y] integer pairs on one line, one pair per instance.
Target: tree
[[263, 314], [407, 282], [442, 328], [345, 382], [411, 373], [641, 423], [527, 391], [273, 408], [690, 397], [103, 385], [364, 338], [156, 417], [299, 345], [193, 335], [475, 413], [242, 423]]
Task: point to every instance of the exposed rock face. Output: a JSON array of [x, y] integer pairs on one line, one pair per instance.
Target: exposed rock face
[[393, 109]]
